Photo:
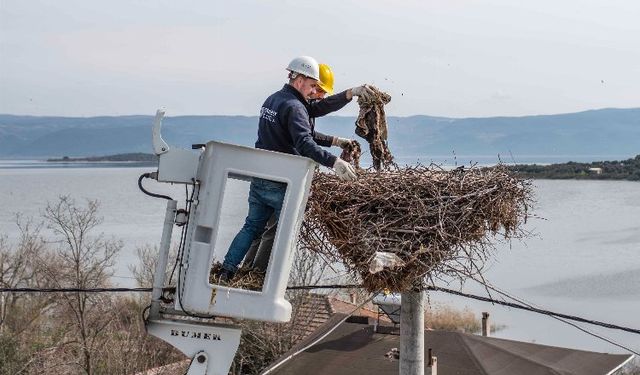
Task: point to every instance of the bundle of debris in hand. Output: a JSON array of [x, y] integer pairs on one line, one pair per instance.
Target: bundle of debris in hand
[[398, 227]]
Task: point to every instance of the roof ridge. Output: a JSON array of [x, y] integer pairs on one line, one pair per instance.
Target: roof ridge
[[489, 342], [469, 353]]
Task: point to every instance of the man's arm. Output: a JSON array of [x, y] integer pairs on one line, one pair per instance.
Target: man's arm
[[329, 104], [323, 140], [300, 130]]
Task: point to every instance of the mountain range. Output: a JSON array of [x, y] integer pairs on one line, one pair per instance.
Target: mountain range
[[595, 132]]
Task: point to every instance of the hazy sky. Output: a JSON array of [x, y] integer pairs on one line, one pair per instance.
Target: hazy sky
[[456, 58]]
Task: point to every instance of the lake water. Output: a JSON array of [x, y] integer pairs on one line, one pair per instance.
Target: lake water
[[585, 259]]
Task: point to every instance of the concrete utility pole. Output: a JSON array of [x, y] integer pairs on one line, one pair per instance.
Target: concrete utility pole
[[412, 333]]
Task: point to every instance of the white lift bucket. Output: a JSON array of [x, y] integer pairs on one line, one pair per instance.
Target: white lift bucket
[[221, 166]]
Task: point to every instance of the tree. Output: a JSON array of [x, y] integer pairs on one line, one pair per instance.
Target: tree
[[17, 269], [79, 332], [19, 312], [80, 260], [143, 272]]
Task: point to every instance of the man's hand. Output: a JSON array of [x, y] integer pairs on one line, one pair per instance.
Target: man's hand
[[363, 91], [344, 170], [341, 142]]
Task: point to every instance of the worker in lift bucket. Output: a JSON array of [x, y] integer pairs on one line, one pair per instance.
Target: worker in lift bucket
[[319, 105], [284, 126]]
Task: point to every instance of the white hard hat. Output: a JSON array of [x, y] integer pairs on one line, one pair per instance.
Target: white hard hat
[[305, 65]]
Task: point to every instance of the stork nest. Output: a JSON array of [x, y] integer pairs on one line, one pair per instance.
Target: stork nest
[[438, 223]]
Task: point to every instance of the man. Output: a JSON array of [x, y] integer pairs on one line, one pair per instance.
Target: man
[[284, 127], [260, 249]]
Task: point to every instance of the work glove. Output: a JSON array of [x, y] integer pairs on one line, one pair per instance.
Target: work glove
[[341, 142], [344, 170], [362, 91]]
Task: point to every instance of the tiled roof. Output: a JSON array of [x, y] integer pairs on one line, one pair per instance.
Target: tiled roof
[[354, 349], [313, 312]]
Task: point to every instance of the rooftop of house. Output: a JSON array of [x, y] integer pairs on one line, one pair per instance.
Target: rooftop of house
[[357, 348]]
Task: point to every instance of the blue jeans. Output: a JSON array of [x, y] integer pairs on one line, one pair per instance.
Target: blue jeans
[[265, 199]]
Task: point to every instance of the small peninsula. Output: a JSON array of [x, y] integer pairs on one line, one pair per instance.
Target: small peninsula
[[598, 170]]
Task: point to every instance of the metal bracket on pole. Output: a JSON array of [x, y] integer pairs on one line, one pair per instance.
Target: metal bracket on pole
[[163, 255]]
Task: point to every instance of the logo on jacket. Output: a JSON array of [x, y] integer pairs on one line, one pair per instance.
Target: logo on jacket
[[268, 114]]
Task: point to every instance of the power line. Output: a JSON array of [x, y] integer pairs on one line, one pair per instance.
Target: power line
[[565, 321], [73, 290], [328, 286], [311, 287], [574, 325], [145, 290], [535, 309]]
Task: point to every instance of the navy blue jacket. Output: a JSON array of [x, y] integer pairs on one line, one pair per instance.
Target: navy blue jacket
[[284, 125]]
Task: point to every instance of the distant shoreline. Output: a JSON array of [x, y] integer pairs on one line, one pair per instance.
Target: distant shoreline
[[628, 170], [137, 157]]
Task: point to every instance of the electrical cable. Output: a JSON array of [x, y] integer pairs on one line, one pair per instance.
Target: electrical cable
[[523, 305], [148, 175], [534, 309], [603, 338], [145, 290], [73, 290], [522, 301], [310, 287]]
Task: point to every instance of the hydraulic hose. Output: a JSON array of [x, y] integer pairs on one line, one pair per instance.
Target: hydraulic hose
[[148, 175]]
